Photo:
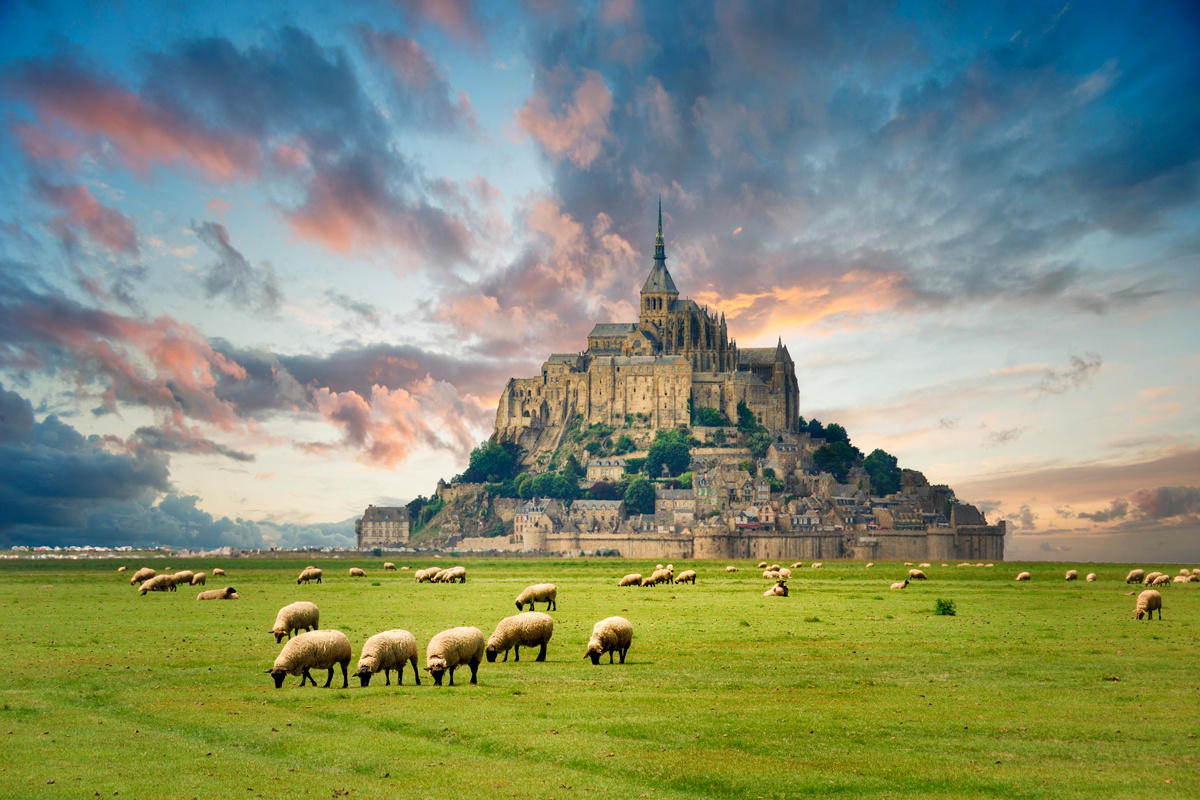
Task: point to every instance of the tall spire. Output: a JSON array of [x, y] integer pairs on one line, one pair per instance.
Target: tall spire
[[660, 251], [659, 280]]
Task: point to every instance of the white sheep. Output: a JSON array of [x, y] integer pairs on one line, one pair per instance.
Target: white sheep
[[916, 575], [310, 574], [527, 629], [1091, 577], [357, 572], [816, 565], [1148, 602], [798, 565], [141, 576], [158, 583], [1181, 579], [183, 576], [217, 571], [199, 579], [450, 575], [385, 652], [687, 576], [632, 579], [771, 574], [313, 650], [452, 648], [294, 616], [762, 565], [389, 567], [870, 564], [609, 635], [539, 592], [656, 577], [425, 575], [785, 573], [1196, 570], [899, 584], [1185, 572], [908, 563], [731, 569], [1023, 576], [924, 565], [778, 589], [1161, 580], [1072, 575], [122, 568], [228, 593], [1151, 577], [1135, 576], [774, 568]]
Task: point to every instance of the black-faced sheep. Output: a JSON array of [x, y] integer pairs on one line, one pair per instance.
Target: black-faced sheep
[[426, 575], [899, 584], [762, 565], [451, 649], [778, 589], [450, 575], [1160, 580], [539, 592], [122, 568], [313, 650], [217, 571], [687, 576], [228, 593], [1135, 576], [527, 629], [1072, 575], [142, 575], [310, 574], [158, 583], [199, 579], [294, 616], [731, 568], [609, 635], [1148, 602], [184, 577], [385, 652], [632, 579], [1023, 576]]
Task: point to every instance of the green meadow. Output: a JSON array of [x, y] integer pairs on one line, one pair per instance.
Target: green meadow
[[843, 689]]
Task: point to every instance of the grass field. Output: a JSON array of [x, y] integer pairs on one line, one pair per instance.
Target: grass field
[[844, 689]]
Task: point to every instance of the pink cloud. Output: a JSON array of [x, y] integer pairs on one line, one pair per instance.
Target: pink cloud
[[43, 145], [81, 210], [580, 130], [456, 17], [616, 12]]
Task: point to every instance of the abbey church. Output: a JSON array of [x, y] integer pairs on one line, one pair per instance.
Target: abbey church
[[677, 356]]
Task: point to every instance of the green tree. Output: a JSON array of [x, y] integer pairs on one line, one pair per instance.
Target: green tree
[[622, 445], [523, 484], [670, 449], [837, 459], [884, 472], [492, 462], [542, 484], [836, 433], [571, 470], [709, 417], [603, 490], [747, 422], [639, 496], [685, 480], [758, 442], [815, 429]]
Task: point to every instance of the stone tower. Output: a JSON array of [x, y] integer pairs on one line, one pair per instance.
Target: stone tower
[[658, 292]]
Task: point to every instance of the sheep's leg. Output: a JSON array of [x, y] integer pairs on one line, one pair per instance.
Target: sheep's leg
[[452, 674], [345, 677], [610, 656], [328, 680], [416, 675], [517, 653], [307, 675], [623, 652], [474, 665], [542, 653], [387, 677]]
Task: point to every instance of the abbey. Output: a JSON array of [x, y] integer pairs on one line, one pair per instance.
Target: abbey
[[676, 357]]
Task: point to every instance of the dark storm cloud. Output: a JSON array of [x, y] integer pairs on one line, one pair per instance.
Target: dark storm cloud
[[175, 441], [232, 276]]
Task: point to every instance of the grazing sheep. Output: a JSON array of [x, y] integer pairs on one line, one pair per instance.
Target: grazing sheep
[[731, 568], [989, 564], [1161, 580], [632, 579], [198, 579], [798, 565], [899, 584], [385, 652], [357, 572], [687, 576], [122, 568], [1150, 576], [310, 574], [1023, 576], [916, 575], [924, 565], [1181, 578], [870, 564], [142, 575], [1148, 602], [1091, 577], [389, 567], [291, 618], [159, 583], [656, 577], [659, 566], [539, 592], [816, 565], [450, 649], [779, 589], [312, 650], [527, 629], [218, 571], [1135, 576], [183, 576], [228, 593], [424, 575], [1196, 570], [762, 565], [609, 635], [1194, 578], [1072, 575], [451, 575]]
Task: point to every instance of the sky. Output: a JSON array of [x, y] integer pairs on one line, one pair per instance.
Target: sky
[[263, 264]]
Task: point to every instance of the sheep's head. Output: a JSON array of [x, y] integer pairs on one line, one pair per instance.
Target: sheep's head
[[279, 635], [231, 593], [277, 674], [1141, 612], [593, 652], [491, 652], [364, 675], [436, 667], [520, 605]]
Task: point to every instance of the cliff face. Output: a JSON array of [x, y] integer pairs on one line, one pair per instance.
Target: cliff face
[[468, 510]]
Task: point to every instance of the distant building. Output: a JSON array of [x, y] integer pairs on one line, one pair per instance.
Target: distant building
[[382, 526]]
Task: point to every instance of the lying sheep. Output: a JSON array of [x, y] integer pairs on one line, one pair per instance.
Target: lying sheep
[[774, 568], [632, 579], [870, 564], [924, 565], [1091, 577], [762, 565], [687, 576], [1193, 578], [199, 579], [452, 648], [1135, 576], [294, 616], [389, 567], [798, 565], [1023, 576], [539, 592], [1072, 575], [899, 584], [141, 576], [357, 572], [310, 574], [731, 568], [771, 574], [779, 589], [1181, 579], [916, 575], [1196, 570], [785, 573], [159, 583], [228, 593], [527, 629], [385, 652], [1148, 602], [313, 650], [425, 575], [816, 565], [609, 635], [218, 571], [122, 568]]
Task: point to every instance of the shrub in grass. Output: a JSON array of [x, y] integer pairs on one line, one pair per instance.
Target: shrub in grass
[[944, 608]]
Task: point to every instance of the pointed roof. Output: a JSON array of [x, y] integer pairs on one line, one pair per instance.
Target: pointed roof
[[659, 280]]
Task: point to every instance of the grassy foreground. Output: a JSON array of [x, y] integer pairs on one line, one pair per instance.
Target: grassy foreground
[[844, 689]]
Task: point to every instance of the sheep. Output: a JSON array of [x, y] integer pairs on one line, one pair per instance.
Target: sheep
[[870, 564], [731, 569], [816, 565], [312, 650], [774, 568], [908, 563], [1185, 571], [1091, 577], [159, 583], [1135, 576], [183, 576], [357, 572], [291, 618], [989, 564], [1023, 576], [122, 568], [657, 577], [963, 564], [924, 565], [687, 576], [450, 649], [1181, 579], [451, 575], [771, 574], [141, 576], [1150, 576], [309, 574], [385, 652], [1196, 570], [1193, 578], [527, 629], [1148, 602], [424, 575], [899, 584], [389, 567], [916, 575], [784, 573], [198, 579], [944, 564], [659, 566], [228, 593], [217, 571], [779, 589], [1072, 575], [1161, 580], [798, 565], [632, 579], [539, 592], [762, 565], [609, 635]]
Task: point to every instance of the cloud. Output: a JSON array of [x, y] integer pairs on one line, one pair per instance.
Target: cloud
[[1116, 510], [232, 276], [81, 211], [459, 18], [362, 311], [578, 131], [1167, 501], [179, 439], [1080, 371]]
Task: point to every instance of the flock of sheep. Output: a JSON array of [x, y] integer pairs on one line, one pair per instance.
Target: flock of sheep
[[150, 580]]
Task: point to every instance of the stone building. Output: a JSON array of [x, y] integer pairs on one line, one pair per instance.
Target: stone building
[[605, 469], [381, 526]]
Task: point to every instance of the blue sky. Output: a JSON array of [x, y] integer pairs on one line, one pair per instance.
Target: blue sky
[[265, 265]]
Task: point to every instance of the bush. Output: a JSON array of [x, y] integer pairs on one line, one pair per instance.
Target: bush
[[944, 608]]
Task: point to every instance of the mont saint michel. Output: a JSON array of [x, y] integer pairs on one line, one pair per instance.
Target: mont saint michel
[[665, 439]]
